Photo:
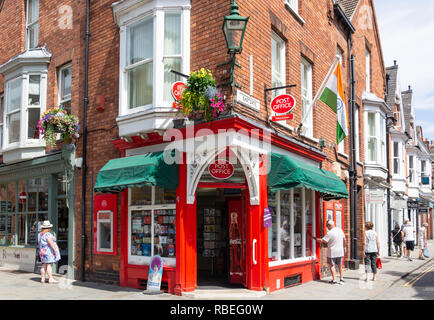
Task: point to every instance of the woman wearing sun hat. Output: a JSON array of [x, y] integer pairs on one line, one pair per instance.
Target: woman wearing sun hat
[[48, 251]]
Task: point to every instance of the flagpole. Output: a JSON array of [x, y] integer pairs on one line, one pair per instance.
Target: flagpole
[[335, 61]]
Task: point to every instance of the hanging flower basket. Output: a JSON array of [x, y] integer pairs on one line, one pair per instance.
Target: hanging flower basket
[[201, 100], [58, 121]]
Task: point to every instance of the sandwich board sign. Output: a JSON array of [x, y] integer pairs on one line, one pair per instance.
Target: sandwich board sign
[[155, 275]]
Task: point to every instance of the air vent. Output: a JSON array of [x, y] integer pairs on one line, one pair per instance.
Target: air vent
[[292, 281]]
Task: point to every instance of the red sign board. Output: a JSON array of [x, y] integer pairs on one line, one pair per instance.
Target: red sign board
[[22, 197], [221, 169], [283, 117], [178, 89], [283, 104]]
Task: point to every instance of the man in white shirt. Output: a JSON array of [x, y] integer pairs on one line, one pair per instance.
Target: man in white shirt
[[409, 238], [335, 240]]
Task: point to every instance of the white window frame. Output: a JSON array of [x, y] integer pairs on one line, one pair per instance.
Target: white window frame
[[279, 262], [411, 169], [368, 71], [293, 4], [382, 140], [374, 138], [125, 17], [278, 75], [98, 234], [60, 98], [142, 260], [356, 135], [306, 94], [32, 25], [396, 158], [24, 111]]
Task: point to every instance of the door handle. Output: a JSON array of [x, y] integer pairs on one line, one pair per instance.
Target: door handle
[[254, 252]]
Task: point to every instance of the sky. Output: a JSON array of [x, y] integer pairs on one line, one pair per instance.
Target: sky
[[407, 36]]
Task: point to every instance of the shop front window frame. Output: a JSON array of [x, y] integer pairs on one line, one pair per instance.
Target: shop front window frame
[[16, 213], [304, 239], [145, 260]]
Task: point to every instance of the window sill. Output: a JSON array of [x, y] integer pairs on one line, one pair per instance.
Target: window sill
[[343, 154], [312, 139], [295, 14], [282, 263]]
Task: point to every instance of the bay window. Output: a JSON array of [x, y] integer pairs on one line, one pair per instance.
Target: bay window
[[396, 158], [410, 169], [372, 138], [376, 138], [293, 219], [23, 106], [139, 65], [152, 225], [172, 52], [154, 39]]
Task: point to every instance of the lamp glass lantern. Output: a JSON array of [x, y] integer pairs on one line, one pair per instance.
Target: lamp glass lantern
[[234, 27]]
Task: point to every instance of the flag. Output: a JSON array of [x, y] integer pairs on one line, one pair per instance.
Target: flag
[[333, 96]]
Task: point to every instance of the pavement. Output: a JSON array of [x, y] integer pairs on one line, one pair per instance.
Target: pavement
[[16, 285]]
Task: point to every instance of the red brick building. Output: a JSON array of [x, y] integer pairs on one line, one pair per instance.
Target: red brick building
[[133, 46]]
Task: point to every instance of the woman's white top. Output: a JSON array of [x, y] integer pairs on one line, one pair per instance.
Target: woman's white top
[[371, 241]]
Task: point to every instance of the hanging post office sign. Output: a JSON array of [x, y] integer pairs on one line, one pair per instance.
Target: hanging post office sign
[[282, 105], [221, 169], [178, 89]]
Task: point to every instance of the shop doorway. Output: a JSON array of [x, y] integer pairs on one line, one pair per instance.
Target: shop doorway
[[220, 237]]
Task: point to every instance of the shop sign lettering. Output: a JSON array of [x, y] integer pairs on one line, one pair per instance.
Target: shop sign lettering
[[283, 104], [221, 169]]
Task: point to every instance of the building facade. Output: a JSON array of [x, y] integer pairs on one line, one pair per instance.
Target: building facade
[[207, 230]]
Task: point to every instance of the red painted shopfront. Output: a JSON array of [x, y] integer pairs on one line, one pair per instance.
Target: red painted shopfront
[[254, 267]]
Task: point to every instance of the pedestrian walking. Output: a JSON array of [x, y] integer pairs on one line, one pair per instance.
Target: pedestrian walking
[[48, 251], [409, 238], [396, 235], [423, 240], [371, 249], [335, 241]]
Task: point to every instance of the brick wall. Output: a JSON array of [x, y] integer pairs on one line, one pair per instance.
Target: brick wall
[[316, 40]]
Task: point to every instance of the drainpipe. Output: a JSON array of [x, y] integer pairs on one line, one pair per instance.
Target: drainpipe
[[353, 168], [84, 166]]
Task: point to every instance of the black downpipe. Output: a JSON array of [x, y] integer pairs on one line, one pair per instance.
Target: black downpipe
[[353, 170], [389, 211], [84, 166]]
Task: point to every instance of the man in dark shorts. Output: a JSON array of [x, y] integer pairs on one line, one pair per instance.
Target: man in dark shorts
[[396, 235], [409, 238]]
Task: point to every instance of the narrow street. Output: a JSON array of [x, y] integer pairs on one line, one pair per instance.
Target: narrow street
[[418, 285]]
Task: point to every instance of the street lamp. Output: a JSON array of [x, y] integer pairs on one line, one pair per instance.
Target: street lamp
[[390, 122], [234, 28]]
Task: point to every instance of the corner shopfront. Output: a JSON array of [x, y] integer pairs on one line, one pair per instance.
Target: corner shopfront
[[31, 192], [211, 231]]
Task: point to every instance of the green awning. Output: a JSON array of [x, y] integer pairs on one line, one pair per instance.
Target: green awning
[[137, 171], [287, 172]]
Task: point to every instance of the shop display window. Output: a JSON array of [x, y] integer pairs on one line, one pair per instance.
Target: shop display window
[[23, 208], [152, 225], [293, 214]]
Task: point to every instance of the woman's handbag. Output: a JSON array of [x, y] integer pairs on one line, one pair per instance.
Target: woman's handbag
[[378, 262], [426, 253]]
